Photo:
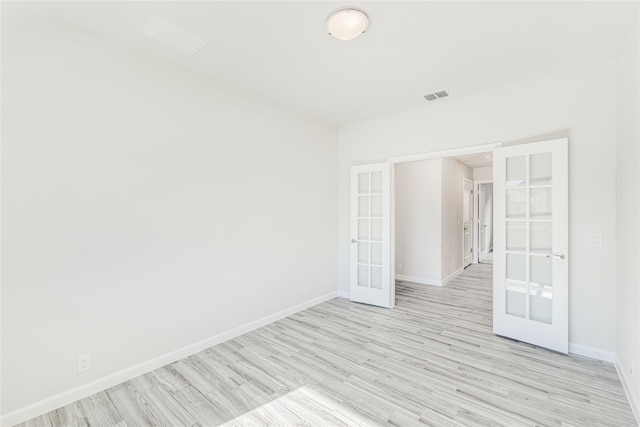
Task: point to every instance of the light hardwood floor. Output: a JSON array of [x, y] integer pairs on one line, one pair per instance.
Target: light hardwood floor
[[432, 360]]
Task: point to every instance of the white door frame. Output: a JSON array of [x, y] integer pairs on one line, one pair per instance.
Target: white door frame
[[472, 221], [476, 200], [439, 154]]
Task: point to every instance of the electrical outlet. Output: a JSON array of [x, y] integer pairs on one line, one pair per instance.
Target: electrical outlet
[[596, 239], [84, 363], [399, 267], [306, 290]]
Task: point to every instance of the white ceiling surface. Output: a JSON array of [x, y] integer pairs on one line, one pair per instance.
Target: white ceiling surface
[[280, 51], [482, 160]]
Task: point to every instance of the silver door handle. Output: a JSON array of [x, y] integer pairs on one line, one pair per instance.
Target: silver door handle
[[354, 241], [555, 256]]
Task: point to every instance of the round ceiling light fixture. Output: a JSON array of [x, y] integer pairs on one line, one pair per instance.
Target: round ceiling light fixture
[[347, 24]]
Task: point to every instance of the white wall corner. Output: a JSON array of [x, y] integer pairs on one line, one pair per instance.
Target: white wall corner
[[344, 294], [626, 385], [85, 390], [592, 352], [452, 275], [418, 280]]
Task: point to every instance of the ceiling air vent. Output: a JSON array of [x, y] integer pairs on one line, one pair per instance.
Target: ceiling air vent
[[436, 95], [173, 36]]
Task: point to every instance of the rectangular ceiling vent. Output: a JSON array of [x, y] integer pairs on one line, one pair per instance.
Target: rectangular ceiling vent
[[436, 95], [174, 36]]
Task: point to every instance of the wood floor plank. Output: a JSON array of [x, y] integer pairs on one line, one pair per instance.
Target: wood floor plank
[[431, 361]]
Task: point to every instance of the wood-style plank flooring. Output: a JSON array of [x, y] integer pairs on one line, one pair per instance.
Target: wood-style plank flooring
[[432, 360]]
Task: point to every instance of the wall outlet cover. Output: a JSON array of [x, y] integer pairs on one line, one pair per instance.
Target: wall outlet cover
[[84, 363]]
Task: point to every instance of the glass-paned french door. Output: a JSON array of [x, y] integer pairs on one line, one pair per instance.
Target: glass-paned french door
[[370, 235], [531, 243]]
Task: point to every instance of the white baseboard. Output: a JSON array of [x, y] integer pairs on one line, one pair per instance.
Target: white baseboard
[[419, 280], [344, 294], [592, 352], [432, 282], [635, 405], [452, 275], [85, 390]]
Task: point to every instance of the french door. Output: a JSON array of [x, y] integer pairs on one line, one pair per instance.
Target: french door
[[531, 264], [370, 258]]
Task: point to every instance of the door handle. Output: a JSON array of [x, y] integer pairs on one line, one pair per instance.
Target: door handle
[[354, 241], [555, 256]]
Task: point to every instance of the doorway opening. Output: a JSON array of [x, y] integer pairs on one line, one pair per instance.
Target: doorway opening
[[484, 233], [436, 216], [530, 272], [373, 225]]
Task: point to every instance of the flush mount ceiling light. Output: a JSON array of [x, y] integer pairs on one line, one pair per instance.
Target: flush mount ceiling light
[[347, 24]]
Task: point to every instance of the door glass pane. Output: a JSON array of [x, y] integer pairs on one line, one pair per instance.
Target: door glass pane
[[363, 206], [363, 253], [376, 277], [540, 271], [540, 305], [376, 182], [376, 253], [363, 276], [516, 205], [515, 171], [540, 169], [363, 183], [540, 203], [515, 267], [540, 237], [376, 230], [516, 236], [516, 297], [376, 206], [363, 229]]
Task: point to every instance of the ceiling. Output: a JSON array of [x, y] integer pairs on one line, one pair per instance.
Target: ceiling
[[280, 51], [481, 160]]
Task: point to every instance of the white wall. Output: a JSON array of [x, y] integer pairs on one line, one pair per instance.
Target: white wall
[[418, 192], [452, 214], [483, 173], [145, 208], [523, 111], [429, 213], [628, 214]]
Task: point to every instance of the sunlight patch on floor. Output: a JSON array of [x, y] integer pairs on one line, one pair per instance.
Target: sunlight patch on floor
[[303, 405]]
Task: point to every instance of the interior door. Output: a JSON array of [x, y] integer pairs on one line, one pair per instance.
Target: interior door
[[467, 215], [370, 261], [482, 238], [485, 221], [531, 264]]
